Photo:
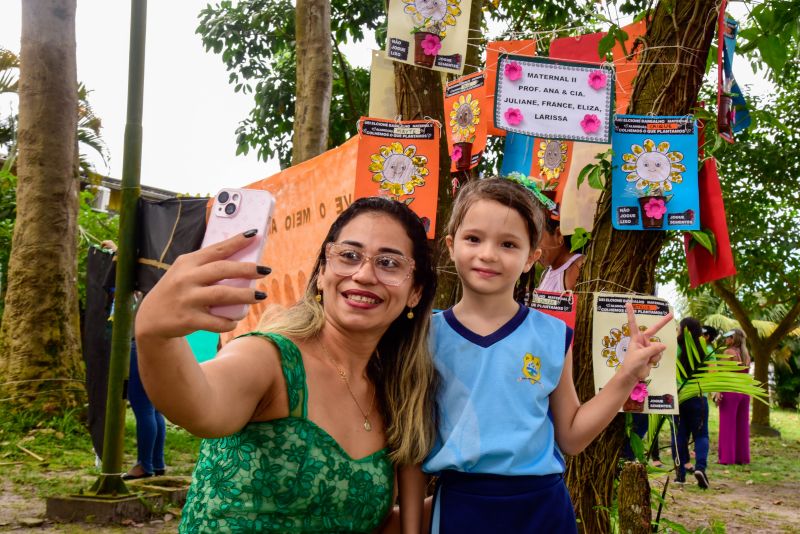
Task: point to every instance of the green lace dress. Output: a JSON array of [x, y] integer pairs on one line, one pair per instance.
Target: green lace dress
[[286, 475]]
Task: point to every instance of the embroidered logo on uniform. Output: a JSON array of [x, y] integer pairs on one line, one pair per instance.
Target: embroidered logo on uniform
[[531, 367]]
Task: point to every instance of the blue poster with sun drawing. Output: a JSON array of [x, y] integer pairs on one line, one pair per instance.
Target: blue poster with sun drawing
[[654, 177]]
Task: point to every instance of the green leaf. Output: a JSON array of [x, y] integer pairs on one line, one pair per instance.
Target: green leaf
[[596, 178], [606, 43], [579, 239], [583, 173], [705, 240], [773, 52]]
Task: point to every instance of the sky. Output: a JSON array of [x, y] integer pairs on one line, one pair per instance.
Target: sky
[[190, 110]]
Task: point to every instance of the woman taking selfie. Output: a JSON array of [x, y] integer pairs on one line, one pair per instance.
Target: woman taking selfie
[[305, 419]]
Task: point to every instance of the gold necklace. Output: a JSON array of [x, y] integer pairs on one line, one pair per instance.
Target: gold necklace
[[343, 376]]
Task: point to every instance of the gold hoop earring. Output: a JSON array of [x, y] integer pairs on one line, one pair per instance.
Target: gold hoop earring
[[410, 313], [318, 297]]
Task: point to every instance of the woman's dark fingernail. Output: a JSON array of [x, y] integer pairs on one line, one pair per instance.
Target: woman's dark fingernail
[[263, 269], [251, 233], [260, 295]]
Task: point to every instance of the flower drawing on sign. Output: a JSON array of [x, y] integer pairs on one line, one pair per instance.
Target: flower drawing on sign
[[597, 79], [398, 170], [513, 71], [655, 208], [464, 117], [615, 345], [513, 116], [434, 13], [431, 44], [639, 393], [590, 123], [653, 167], [552, 156]]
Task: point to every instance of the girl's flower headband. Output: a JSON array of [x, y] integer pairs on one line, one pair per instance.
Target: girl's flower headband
[[530, 185]]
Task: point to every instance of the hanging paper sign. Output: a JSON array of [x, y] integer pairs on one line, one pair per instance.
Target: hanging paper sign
[[579, 203], [610, 338], [381, 87], [400, 160], [493, 50], [554, 99], [466, 118], [560, 305], [429, 34], [654, 176]]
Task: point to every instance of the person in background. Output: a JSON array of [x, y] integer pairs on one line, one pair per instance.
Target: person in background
[[734, 408], [151, 428], [562, 267], [709, 336], [693, 418]]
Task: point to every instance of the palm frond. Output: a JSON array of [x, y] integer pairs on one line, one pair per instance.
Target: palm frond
[[9, 71]]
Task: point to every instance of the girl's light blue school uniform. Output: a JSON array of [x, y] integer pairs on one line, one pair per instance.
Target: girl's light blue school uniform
[[494, 413]]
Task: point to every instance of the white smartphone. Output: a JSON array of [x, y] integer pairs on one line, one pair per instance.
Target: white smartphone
[[234, 212]]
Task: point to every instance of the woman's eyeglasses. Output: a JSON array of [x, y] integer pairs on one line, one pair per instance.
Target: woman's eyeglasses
[[390, 269]]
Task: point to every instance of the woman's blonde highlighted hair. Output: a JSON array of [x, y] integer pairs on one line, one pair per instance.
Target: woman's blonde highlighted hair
[[402, 370], [740, 342]]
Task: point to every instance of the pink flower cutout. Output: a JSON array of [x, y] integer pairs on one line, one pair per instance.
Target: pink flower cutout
[[513, 71], [513, 116], [590, 124], [655, 208], [431, 44], [456, 154], [597, 79], [639, 393]]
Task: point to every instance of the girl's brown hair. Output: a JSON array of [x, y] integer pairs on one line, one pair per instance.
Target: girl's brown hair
[[505, 192]]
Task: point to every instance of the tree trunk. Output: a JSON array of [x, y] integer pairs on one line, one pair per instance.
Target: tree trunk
[[314, 79], [419, 94], [634, 505], [671, 70], [40, 352]]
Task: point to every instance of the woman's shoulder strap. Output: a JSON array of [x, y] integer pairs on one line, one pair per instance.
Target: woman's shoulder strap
[[293, 371]]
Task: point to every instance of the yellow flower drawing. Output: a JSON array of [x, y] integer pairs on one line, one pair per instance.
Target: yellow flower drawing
[[433, 12], [398, 170], [653, 167], [616, 344], [552, 156], [464, 118]]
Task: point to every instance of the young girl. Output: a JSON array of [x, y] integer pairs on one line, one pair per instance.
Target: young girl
[[507, 404]]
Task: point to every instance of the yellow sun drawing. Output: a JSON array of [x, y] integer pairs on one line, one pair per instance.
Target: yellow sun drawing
[[653, 167], [616, 344], [464, 117], [433, 12], [398, 170], [552, 156]]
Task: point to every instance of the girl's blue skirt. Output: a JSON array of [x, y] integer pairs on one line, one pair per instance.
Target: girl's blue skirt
[[465, 503]]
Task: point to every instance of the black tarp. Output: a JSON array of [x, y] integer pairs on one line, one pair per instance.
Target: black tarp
[[165, 230], [97, 340]]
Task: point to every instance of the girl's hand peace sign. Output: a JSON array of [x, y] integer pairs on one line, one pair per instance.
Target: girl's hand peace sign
[[642, 354]]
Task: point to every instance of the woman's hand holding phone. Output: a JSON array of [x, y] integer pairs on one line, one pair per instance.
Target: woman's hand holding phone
[[179, 304]]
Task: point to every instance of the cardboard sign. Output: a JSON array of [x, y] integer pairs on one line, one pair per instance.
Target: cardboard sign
[[400, 160], [560, 305], [611, 336], [554, 99], [429, 34], [654, 176], [382, 102], [466, 117], [525, 48], [579, 204]]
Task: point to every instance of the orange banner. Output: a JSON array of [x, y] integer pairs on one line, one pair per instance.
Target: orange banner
[[400, 160], [466, 118], [309, 197], [493, 51]]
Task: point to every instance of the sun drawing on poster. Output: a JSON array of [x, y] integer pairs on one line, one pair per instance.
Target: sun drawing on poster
[[432, 13], [653, 167], [552, 156], [615, 345], [398, 170], [464, 117]]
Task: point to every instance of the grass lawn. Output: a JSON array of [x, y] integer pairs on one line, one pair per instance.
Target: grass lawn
[[763, 497]]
